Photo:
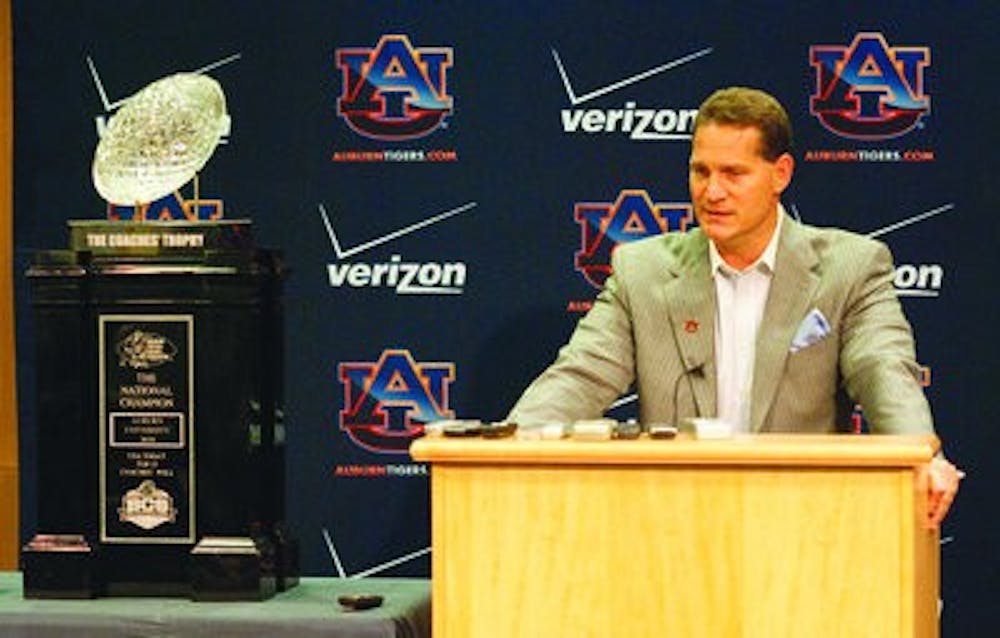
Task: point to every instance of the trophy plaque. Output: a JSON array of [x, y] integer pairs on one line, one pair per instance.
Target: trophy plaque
[[159, 396]]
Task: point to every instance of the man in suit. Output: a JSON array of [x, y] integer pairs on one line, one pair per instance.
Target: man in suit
[[765, 323]]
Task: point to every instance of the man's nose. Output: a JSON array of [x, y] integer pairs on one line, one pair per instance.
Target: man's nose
[[713, 189]]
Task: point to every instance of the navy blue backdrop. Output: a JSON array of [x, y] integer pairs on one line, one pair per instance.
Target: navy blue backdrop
[[437, 174]]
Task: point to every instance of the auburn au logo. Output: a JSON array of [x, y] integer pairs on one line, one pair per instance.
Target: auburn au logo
[[394, 91], [632, 216], [171, 207], [869, 90], [387, 403]]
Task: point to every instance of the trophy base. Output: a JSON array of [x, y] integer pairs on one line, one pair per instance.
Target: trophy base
[[169, 320], [59, 566], [227, 568]]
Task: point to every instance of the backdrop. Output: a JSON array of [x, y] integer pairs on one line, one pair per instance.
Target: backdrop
[[447, 180]]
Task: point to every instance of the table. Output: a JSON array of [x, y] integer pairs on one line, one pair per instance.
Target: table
[[306, 611]]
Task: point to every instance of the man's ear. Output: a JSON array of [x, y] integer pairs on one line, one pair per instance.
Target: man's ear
[[781, 172], [781, 175]]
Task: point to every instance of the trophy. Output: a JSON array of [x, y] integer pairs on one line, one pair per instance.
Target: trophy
[[160, 139], [160, 424]]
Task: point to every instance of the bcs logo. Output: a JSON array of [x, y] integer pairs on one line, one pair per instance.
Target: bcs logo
[[869, 90], [394, 91], [387, 403], [605, 225]]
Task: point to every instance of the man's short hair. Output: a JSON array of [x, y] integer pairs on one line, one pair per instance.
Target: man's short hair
[[742, 106]]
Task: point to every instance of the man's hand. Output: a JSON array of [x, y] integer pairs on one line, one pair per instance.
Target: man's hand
[[942, 486]]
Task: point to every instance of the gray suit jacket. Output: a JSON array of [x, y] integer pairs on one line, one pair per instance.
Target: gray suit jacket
[[653, 326]]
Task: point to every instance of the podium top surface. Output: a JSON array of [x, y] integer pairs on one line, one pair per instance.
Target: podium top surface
[[833, 450]]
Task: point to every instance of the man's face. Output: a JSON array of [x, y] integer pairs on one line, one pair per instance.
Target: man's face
[[735, 190]]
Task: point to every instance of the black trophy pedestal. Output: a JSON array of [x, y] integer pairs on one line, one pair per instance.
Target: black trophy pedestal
[[224, 569], [159, 411], [59, 566]]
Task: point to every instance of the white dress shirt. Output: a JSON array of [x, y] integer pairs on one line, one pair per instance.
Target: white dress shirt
[[741, 296]]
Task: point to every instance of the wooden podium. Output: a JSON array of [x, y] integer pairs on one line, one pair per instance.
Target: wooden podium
[[762, 536]]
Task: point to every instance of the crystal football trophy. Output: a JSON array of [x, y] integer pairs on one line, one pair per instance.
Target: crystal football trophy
[[160, 139], [177, 487]]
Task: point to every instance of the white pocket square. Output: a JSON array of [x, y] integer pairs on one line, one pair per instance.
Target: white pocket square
[[813, 329]]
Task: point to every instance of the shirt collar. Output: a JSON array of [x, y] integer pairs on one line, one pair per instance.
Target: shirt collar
[[765, 262]]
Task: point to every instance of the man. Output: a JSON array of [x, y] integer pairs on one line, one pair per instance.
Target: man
[[766, 323]]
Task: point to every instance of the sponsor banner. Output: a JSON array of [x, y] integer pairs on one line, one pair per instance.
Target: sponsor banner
[[868, 155], [916, 279], [400, 275], [870, 90], [388, 470], [919, 280], [169, 208], [604, 225], [630, 119], [404, 277], [387, 402], [394, 92]]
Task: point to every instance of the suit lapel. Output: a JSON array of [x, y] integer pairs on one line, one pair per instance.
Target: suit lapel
[[691, 298], [790, 298]]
